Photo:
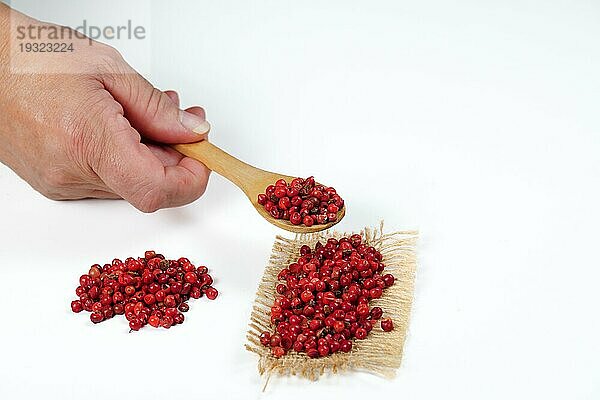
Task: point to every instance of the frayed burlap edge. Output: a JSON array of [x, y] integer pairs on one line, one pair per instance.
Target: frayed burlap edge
[[381, 352]]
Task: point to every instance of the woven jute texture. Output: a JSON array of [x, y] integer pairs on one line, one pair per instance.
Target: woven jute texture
[[381, 352]]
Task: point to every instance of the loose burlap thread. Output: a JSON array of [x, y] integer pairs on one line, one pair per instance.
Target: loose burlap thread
[[381, 352]]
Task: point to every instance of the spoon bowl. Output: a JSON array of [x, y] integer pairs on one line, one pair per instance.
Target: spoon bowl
[[253, 181]]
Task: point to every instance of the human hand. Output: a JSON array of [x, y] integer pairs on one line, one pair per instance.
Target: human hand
[[96, 129]]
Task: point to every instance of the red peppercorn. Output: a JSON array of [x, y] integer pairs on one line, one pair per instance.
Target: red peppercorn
[[148, 254], [339, 326], [362, 310], [295, 218], [286, 342], [375, 293], [108, 313], [361, 333], [85, 281], [149, 299], [376, 312], [96, 317], [308, 220], [176, 287], [323, 351], [211, 293], [312, 353], [281, 288], [178, 318], [88, 304], [80, 291], [191, 277], [206, 279], [118, 297], [97, 307], [170, 301], [167, 322], [135, 324], [321, 219], [294, 320], [119, 309], [346, 346], [265, 338], [298, 346], [195, 292], [129, 290], [387, 325], [388, 280], [306, 296], [284, 203], [94, 271], [160, 296], [76, 306], [275, 340], [280, 192], [154, 321], [277, 351]]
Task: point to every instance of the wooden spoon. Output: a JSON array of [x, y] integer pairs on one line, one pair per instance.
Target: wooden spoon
[[253, 181]]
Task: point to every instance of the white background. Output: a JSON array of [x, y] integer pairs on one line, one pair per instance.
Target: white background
[[475, 122]]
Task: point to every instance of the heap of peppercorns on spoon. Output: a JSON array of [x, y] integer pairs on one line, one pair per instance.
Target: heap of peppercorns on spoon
[[294, 204], [302, 201]]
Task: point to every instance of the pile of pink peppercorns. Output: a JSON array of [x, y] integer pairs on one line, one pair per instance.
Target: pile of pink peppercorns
[[302, 201], [149, 290], [323, 299]]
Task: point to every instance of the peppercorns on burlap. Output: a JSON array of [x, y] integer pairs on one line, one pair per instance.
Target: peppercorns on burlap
[[380, 352]]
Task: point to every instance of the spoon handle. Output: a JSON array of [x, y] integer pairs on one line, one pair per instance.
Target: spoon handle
[[221, 162]]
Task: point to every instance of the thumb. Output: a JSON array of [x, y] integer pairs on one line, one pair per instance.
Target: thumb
[[152, 112]]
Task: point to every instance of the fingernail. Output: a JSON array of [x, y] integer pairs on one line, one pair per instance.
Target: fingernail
[[194, 123]]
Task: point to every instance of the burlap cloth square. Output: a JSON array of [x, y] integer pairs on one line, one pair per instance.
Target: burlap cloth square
[[381, 352]]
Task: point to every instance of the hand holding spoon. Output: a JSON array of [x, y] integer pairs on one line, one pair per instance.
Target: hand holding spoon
[[251, 180]]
